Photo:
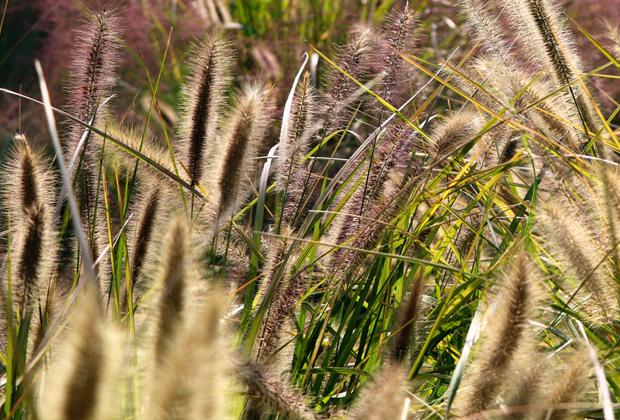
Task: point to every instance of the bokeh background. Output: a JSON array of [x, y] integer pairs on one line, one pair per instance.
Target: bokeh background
[[271, 35]]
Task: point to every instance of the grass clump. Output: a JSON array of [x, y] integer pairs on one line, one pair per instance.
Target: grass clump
[[393, 231]]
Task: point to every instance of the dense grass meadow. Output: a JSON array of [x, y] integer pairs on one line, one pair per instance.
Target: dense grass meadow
[[251, 209]]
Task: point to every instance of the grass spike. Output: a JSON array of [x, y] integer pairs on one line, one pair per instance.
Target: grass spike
[[570, 386], [150, 213], [573, 245], [84, 374], [243, 139], [291, 172], [204, 96], [384, 397], [407, 318], [172, 283], [273, 394], [28, 188], [506, 335], [194, 378], [549, 44]]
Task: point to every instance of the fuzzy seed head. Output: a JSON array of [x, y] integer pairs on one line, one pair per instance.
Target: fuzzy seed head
[[204, 96], [384, 397], [194, 379], [172, 281], [28, 193], [273, 395], [576, 251], [398, 38], [454, 132], [291, 171], [92, 73], [84, 375], [244, 136], [506, 336]]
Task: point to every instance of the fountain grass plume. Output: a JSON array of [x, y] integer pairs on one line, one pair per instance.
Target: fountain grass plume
[[607, 196], [148, 146], [92, 73], [571, 243], [356, 59], [289, 286], [398, 37], [531, 99], [548, 43], [522, 395], [569, 387], [84, 375], [203, 98], [291, 170], [613, 35], [384, 397], [51, 302], [505, 337], [454, 132], [243, 139], [195, 377], [29, 253], [28, 191], [485, 27], [172, 286], [274, 395], [150, 213], [214, 362], [404, 333], [275, 262], [92, 77]]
